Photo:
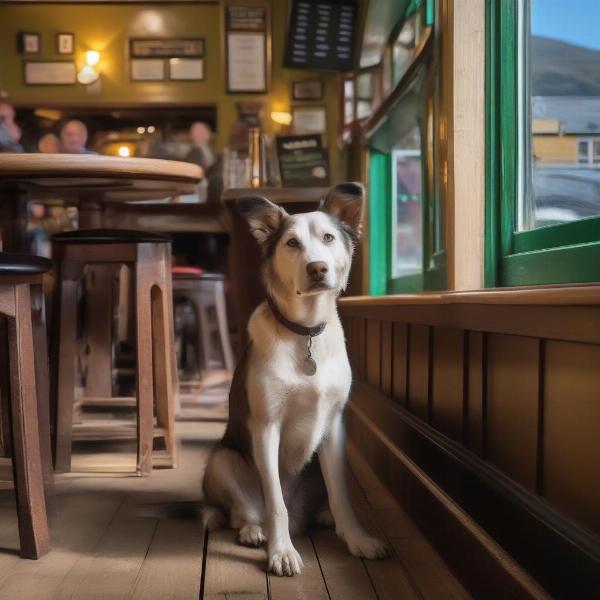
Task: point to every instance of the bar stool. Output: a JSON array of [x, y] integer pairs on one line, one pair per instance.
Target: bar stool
[[205, 291], [149, 257], [24, 390]]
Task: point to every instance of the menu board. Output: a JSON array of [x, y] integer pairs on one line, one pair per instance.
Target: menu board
[[302, 161], [321, 35]]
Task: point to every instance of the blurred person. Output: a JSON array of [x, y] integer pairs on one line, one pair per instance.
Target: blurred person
[[10, 132], [200, 152], [73, 138], [49, 144]]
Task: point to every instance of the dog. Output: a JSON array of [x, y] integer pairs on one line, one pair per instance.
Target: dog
[[281, 460]]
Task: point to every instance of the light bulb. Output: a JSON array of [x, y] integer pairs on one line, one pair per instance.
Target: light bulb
[[123, 151], [92, 57]]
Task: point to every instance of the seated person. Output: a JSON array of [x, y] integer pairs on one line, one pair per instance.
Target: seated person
[[200, 152], [49, 144], [73, 138], [10, 132]]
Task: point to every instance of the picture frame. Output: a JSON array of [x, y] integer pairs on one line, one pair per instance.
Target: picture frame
[[147, 69], [247, 49], [186, 69], [309, 120], [309, 89], [29, 43], [49, 72], [247, 63], [166, 47], [65, 43]]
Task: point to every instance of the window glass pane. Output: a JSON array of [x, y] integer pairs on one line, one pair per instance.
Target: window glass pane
[[407, 232], [408, 40], [560, 119]]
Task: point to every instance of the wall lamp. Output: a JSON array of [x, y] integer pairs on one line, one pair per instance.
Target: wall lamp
[[88, 75]]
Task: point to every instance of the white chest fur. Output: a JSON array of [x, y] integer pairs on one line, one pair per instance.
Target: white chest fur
[[280, 392]]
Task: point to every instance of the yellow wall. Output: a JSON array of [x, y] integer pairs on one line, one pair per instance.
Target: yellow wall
[[551, 149], [107, 28]]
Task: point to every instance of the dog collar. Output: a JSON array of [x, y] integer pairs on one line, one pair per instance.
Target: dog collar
[[309, 366]]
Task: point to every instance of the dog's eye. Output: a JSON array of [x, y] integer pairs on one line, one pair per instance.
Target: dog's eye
[[328, 238], [293, 243]]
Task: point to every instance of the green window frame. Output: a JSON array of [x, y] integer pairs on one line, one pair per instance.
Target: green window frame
[[433, 275], [565, 253]]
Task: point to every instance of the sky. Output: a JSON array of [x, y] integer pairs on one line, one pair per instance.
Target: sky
[[573, 21]]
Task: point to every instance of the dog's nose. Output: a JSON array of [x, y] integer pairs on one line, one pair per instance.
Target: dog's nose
[[317, 270]]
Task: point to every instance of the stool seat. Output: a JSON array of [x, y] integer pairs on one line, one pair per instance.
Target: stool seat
[[109, 236], [21, 264], [186, 271], [204, 276]]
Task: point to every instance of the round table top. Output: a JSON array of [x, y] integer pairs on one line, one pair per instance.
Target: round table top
[[107, 178]]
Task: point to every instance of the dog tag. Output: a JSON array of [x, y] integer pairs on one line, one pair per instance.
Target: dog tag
[[309, 366]]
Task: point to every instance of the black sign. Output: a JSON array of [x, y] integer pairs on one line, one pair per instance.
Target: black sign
[[302, 161], [321, 35]]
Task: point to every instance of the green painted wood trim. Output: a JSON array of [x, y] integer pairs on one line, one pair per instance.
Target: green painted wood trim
[[571, 264], [436, 276], [492, 180], [380, 194], [566, 234], [409, 284]]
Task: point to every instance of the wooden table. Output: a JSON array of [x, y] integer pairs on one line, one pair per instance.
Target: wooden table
[[92, 183], [244, 259], [87, 181]]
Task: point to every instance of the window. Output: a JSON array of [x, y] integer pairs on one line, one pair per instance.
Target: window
[[407, 206], [543, 148], [406, 242]]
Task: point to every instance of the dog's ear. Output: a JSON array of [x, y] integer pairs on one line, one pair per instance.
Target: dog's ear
[[263, 217], [345, 201]]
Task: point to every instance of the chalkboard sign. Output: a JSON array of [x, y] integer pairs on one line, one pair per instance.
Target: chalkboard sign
[[321, 35], [302, 161]]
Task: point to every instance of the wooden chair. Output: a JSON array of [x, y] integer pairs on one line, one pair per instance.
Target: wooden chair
[[206, 291], [149, 256], [24, 388]]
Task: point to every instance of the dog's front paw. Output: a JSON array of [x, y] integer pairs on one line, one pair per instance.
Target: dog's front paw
[[367, 547], [251, 535], [285, 560]]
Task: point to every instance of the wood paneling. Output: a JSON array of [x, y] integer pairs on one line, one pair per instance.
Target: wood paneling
[[386, 357], [475, 392], [400, 363], [512, 406], [374, 352], [571, 474], [447, 381], [418, 370]]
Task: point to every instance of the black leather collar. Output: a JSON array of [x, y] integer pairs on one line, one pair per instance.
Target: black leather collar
[[295, 327]]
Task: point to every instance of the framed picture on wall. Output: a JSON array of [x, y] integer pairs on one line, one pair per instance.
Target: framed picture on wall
[[29, 43], [309, 119], [147, 69], [186, 69], [311, 89], [48, 72], [247, 55], [65, 43]]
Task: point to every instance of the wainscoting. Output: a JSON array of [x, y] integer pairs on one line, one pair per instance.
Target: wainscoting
[[494, 396]]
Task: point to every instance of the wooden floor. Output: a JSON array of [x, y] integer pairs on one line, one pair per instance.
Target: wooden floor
[[119, 536]]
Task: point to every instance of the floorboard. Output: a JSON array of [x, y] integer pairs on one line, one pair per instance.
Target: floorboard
[[117, 536]]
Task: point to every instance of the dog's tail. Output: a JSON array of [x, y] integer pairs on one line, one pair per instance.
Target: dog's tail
[[212, 518]]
